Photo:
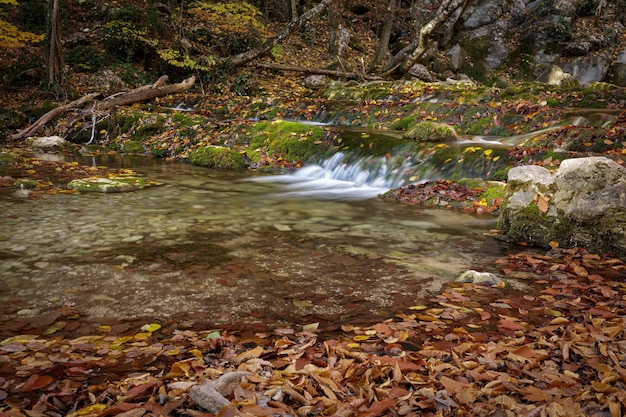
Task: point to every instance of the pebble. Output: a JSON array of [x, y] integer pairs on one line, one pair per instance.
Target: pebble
[[132, 239]]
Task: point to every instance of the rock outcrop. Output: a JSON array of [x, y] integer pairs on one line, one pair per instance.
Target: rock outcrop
[[583, 205], [584, 42]]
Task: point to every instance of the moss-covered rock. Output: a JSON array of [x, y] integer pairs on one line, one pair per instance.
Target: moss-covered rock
[[27, 183], [217, 157], [110, 185], [292, 140], [582, 205], [132, 146], [6, 159], [431, 132]]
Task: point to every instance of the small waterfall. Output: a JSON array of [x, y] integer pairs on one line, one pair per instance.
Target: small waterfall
[[346, 176]]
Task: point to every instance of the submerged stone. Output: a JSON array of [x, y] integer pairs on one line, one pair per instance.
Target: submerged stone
[[110, 185]]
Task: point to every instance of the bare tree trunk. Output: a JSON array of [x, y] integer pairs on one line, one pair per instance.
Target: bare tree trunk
[[447, 8], [294, 10], [600, 8], [252, 54], [334, 25], [383, 45], [409, 55], [55, 54]]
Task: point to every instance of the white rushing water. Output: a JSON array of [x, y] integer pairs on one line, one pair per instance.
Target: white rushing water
[[341, 177]]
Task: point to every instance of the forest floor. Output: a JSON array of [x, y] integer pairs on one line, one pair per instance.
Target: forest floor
[[484, 349]]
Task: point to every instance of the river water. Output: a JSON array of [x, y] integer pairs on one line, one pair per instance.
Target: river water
[[231, 249]]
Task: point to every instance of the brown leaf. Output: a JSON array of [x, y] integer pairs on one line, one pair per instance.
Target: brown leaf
[[543, 204], [451, 385]]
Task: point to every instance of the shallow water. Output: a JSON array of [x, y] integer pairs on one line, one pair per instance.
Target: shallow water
[[230, 250]]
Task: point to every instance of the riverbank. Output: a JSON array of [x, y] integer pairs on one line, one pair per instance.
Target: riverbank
[[474, 349]]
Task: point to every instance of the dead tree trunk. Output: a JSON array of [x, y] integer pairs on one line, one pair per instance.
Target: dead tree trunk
[[245, 57], [405, 59], [383, 45], [121, 99], [334, 26], [445, 11], [55, 53]]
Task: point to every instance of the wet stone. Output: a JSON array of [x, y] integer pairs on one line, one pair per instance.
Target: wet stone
[[132, 239]]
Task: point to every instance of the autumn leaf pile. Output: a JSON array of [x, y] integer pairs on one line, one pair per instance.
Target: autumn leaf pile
[[558, 348], [444, 193]]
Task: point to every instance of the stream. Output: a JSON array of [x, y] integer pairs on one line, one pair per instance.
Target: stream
[[234, 248]]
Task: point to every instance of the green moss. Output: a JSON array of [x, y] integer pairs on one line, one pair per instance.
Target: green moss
[[27, 183], [109, 185], [217, 157], [6, 159], [493, 191], [133, 146], [294, 141], [253, 157], [480, 126], [150, 127], [158, 151], [431, 132], [404, 124]]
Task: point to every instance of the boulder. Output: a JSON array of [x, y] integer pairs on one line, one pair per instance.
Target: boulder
[[583, 205], [555, 75], [50, 143], [316, 81]]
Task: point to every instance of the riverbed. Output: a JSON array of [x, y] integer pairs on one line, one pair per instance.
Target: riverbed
[[230, 249]]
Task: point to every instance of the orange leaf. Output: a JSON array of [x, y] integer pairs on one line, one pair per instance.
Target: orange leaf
[[542, 203]]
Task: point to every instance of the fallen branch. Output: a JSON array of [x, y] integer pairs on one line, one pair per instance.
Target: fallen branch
[[320, 71], [143, 93], [51, 115]]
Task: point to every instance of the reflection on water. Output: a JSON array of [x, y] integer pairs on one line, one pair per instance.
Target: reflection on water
[[234, 250]]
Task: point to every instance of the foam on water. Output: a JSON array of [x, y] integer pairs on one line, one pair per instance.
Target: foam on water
[[342, 177]]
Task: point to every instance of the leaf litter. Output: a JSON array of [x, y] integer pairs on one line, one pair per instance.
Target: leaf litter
[[471, 350]]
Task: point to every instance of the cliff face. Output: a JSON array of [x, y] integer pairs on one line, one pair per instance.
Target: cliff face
[[583, 38]]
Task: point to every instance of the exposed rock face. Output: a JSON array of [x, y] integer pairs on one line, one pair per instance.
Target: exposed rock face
[[583, 204], [563, 33]]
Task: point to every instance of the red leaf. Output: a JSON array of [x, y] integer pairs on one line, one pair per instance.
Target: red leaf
[[37, 382], [118, 409], [379, 407], [601, 312], [505, 324]]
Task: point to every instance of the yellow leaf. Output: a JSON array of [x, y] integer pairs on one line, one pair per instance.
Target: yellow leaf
[[553, 244], [94, 409], [488, 152], [361, 337], [554, 313], [250, 354], [418, 308], [105, 329], [142, 336], [196, 352], [151, 327]]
